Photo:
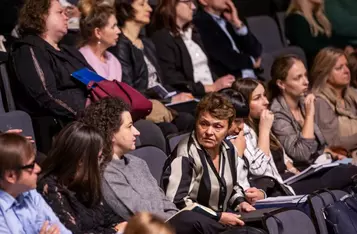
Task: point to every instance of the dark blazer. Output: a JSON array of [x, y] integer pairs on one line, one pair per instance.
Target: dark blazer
[[224, 60], [135, 71], [176, 62]]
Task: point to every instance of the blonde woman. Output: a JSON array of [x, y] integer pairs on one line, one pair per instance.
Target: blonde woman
[[307, 26], [336, 101], [146, 223]]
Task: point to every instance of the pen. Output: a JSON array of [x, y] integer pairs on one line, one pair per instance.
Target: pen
[[235, 136]]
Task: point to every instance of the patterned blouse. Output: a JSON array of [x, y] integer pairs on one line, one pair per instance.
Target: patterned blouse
[[75, 215]]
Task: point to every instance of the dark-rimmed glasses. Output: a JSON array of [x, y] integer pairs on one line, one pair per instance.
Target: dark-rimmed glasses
[[30, 166]]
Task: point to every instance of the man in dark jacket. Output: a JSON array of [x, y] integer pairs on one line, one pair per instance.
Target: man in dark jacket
[[231, 47]]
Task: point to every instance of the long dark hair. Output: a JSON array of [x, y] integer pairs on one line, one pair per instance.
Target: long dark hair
[[239, 102], [246, 87], [77, 143]]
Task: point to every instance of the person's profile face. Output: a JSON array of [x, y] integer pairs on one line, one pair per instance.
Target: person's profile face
[[236, 127], [340, 75], [56, 20], [258, 102], [109, 34], [27, 179], [125, 137], [296, 83], [142, 11], [210, 131]]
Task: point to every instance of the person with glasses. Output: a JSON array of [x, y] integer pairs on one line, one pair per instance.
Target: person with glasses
[[183, 59], [22, 208], [71, 181]]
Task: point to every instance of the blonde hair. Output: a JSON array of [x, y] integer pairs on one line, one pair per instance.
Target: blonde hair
[[94, 14], [309, 13], [146, 223], [322, 67]]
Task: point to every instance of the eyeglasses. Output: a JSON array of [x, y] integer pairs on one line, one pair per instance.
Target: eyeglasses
[[28, 166]]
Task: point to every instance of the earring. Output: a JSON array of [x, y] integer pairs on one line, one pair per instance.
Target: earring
[[98, 42]]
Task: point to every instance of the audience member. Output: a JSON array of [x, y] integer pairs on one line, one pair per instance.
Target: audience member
[[203, 167], [307, 26], [99, 31], [342, 15], [137, 53], [236, 132], [140, 67], [336, 101], [71, 181], [263, 151], [43, 86], [352, 64], [180, 51], [128, 185], [231, 47], [294, 111], [23, 210], [255, 92], [146, 223]]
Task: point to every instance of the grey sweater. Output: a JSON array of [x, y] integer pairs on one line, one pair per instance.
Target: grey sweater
[[128, 187], [288, 131]]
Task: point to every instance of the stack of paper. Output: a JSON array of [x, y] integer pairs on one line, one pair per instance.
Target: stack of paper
[[282, 200], [309, 171]]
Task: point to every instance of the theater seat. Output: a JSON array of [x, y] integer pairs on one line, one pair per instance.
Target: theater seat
[[174, 139], [289, 221], [154, 157], [266, 31], [5, 89], [17, 120]]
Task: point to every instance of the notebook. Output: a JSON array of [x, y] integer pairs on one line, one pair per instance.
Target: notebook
[[85, 75]]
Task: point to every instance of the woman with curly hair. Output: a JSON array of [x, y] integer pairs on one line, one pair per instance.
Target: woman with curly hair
[[43, 86], [128, 185]]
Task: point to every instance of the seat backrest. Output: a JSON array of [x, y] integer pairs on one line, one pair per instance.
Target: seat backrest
[[290, 50], [17, 120], [249, 8], [317, 206], [266, 31], [288, 221], [154, 157], [8, 101], [280, 16], [175, 139]]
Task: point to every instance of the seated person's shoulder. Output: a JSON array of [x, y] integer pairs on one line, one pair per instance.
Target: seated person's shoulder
[[295, 17], [161, 35]]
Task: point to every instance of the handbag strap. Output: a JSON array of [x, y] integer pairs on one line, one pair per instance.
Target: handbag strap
[[278, 221]]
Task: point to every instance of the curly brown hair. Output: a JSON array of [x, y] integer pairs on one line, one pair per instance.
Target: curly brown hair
[[32, 16], [106, 116], [218, 106]]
